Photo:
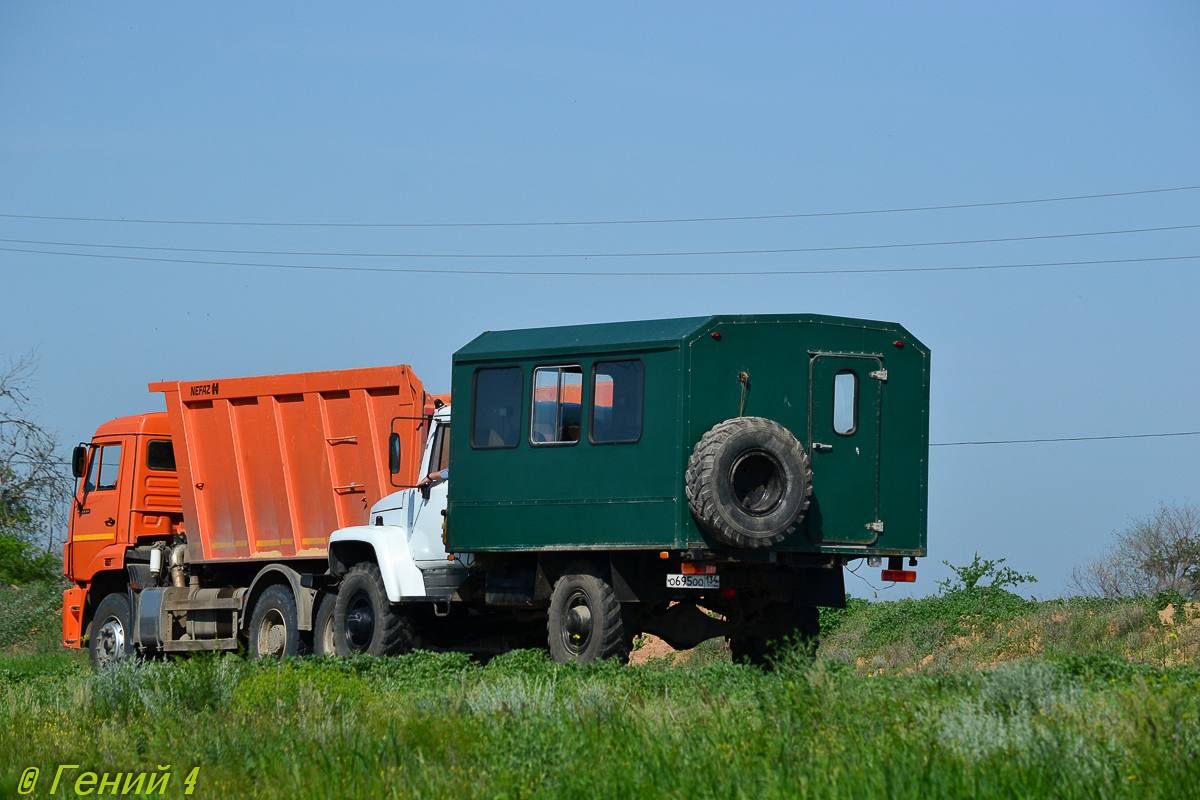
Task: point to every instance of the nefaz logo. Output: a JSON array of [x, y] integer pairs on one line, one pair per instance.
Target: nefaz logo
[[204, 389]]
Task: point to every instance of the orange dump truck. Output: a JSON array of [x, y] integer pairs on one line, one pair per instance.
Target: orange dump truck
[[206, 527]]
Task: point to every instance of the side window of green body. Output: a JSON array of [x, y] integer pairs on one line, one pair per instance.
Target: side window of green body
[[557, 405], [617, 389], [496, 407]]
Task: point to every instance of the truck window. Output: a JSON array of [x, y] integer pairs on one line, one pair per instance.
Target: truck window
[[104, 468], [496, 407], [845, 403], [617, 388], [160, 455], [557, 405], [439, 456]]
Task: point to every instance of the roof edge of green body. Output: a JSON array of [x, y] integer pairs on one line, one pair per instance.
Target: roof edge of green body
[[634, 335]]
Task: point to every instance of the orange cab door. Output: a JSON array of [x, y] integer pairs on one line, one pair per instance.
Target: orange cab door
[[102, 510]]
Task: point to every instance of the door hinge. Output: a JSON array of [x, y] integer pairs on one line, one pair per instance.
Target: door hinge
[[876, 526], [880, 375]]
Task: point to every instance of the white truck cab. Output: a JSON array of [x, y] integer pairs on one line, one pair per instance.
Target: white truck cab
[[404, 536]]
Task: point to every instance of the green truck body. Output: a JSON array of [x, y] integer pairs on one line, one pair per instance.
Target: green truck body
[[855, 394]]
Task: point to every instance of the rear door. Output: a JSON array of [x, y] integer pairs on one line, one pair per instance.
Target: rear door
[[845, 398]]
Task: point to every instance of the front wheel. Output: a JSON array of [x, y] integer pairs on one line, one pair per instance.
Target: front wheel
[[110, 638], [586, 622], [364, 622]]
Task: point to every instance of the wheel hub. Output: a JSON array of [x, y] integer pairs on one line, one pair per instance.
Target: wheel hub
[[272, 634], [360, 624], [577, 623], [110, 641], [757, 482]]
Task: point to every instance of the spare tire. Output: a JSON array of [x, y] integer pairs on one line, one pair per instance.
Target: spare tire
[[748, 482]]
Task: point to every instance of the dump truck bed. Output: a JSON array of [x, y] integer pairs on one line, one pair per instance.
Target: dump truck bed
[[269, 466]]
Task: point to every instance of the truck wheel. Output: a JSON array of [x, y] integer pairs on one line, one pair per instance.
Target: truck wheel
[[274, 628], [110, 638], [748, 482], [364, 622], [323, 643], [586, 622]]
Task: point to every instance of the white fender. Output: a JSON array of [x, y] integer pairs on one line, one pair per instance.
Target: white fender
[[401, 577]]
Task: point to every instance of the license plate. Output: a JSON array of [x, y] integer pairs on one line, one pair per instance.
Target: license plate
[[693, 582]]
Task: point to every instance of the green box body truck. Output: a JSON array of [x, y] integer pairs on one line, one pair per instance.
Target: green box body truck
[[690, 478]]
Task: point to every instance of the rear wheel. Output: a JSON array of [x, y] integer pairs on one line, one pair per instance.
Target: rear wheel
[[364, 622], [274, 627], [323, 640], [110, 638], [586, 622]]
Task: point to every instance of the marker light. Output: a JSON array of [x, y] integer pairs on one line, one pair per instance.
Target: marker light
[[664, 555], [900, 575], [899, 345], [717, 335]]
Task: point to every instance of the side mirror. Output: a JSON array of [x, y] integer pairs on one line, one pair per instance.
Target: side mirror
[[79, 461], [394, 453]]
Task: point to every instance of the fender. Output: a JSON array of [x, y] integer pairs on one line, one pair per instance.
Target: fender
[[304, 597], [389, 543], [110, 558]]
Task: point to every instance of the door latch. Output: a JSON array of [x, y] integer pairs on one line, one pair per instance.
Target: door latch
[[821, 448], [110, 522], [880, 375], [876, 526]]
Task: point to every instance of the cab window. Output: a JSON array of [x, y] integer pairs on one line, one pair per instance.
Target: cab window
[[496, 407], [103, 469], [617, 388], [557, 416], [439, 456], [160, 455]]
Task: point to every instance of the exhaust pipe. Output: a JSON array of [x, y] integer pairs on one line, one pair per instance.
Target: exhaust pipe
[[178, 565]]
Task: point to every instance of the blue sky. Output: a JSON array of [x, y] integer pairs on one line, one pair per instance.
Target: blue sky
[[501, 113]]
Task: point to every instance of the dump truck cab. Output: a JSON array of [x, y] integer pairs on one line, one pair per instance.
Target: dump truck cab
[[127, 493]]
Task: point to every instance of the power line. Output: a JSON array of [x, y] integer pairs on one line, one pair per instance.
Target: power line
[[660, 254], [1070, 439], [550, 223], [601, 274], [933, 444]]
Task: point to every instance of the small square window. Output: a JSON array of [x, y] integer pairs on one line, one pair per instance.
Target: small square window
[[557, 416], [845, 403], [160, 455]]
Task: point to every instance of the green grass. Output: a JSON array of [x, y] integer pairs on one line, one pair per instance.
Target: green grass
[[1073, 716]]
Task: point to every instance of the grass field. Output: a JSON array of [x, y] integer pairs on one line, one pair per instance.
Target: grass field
[[976, 694]]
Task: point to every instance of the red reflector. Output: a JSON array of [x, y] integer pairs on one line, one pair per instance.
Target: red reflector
[[716, 336], [900, 575], [729, 593]]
